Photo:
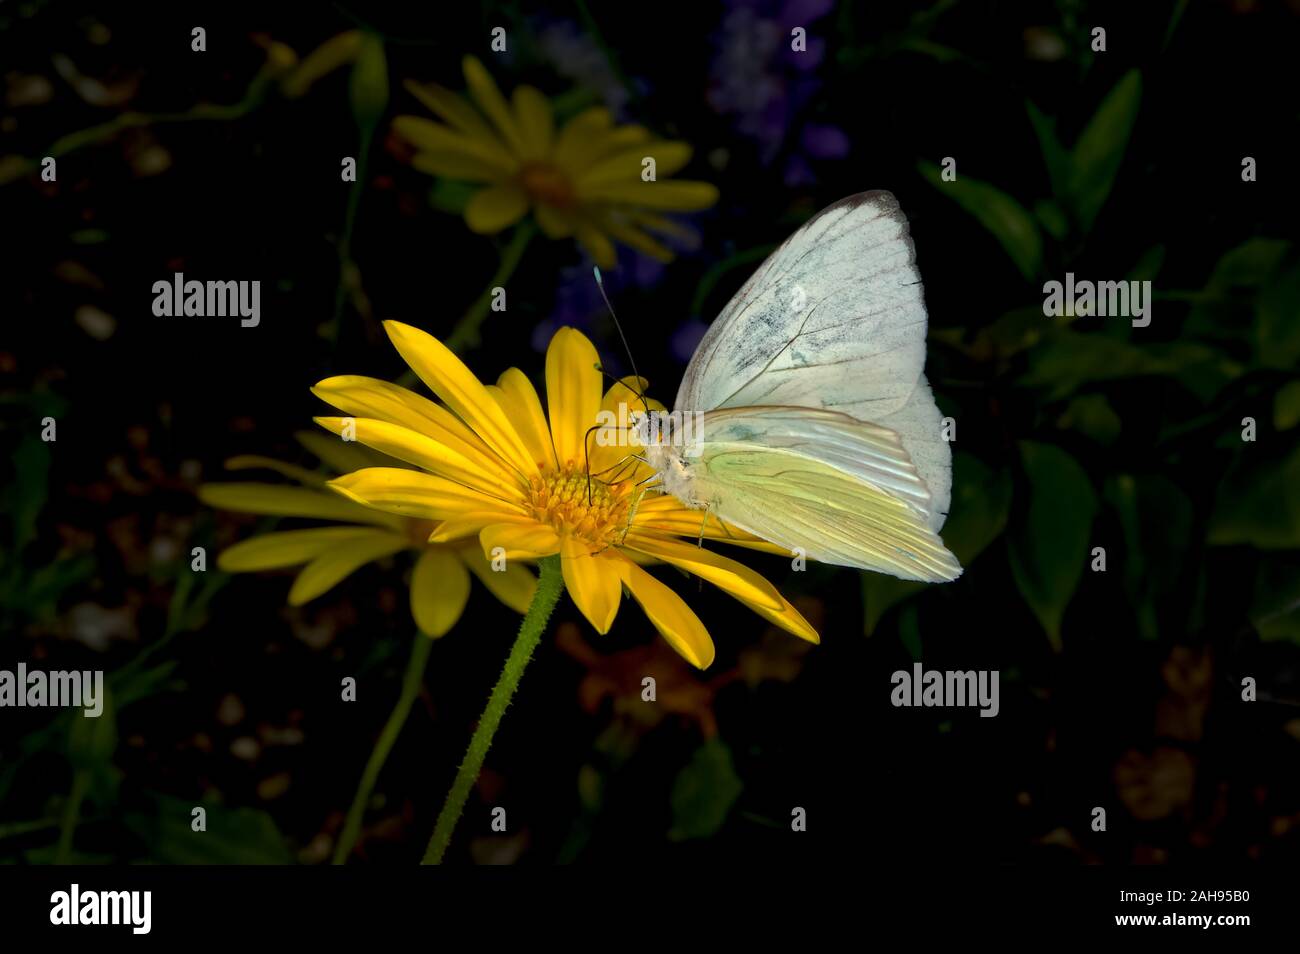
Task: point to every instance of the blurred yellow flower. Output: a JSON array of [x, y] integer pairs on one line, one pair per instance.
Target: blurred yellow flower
[[493, 467], [358, 535], [581, 181]]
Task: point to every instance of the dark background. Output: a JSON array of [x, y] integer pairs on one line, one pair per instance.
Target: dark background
[[1137, 710]]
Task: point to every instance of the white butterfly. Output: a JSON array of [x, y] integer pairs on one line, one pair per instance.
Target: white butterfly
[[817, 429]]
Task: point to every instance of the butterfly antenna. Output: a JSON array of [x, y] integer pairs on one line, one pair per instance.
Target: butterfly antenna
[[600, 285]]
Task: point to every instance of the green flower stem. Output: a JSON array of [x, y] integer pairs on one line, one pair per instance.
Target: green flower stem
[[412, 681], [349, 275], [466, 334], [549, 587], [71, 814], [82, 138]]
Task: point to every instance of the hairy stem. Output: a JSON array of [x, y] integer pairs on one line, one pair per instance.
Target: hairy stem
[[549, 587]]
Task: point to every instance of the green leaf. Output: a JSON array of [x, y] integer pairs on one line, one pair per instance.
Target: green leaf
[[1049, 542], [1286, 406], [1092, 416], [1003, 216], [704, 792], [450, 196], [31, 488], [1059, 162], [1275, 609], [40, 591], [1156, 519], [1148, 266], [1067, 360], [1277, 323], [241, 836], [1052, 218], [1258, 502], [92, 741], [1222, 312], [981, 500], [1100, 150]]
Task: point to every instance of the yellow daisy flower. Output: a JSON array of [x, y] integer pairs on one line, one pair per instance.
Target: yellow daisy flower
[[440, 582], [494, 466], [583, 180]]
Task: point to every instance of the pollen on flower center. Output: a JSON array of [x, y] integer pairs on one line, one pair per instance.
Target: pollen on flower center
[[547, 184], [559, 498]]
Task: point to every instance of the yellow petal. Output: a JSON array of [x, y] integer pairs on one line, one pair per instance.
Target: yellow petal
[[497, 207], [336, 563], [254, 462], [669, 516], [271, 551], [573, 391], [518, 399], [489, 99], [464, 525], [447, 377], [660, 224], [360, 396], [455, 164], [427, 136], [637, 239], [593, 581], [415, 494], [290, 502], [342, 456], [672, 196], [432, 455], [535, 123], [625, 165], [789, 619], [439, 591], [581, 140], [554, 223], [734, 578], [519, 540], [669, 613], [619, 138], [452, 109], [598, 245], [514, 585]]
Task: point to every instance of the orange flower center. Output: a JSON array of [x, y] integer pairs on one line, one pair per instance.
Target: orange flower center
[[548, 185], [560, 498]]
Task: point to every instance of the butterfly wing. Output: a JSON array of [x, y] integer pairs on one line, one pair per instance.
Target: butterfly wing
[[834, 318], [866, 452], [801, 502]]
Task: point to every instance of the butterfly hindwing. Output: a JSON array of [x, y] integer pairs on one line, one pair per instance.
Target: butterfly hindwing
[[806, 505]]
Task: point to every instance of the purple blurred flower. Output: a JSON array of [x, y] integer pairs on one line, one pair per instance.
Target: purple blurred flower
[[573, 54], [687, 338], [577, 299], [764, 84]]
